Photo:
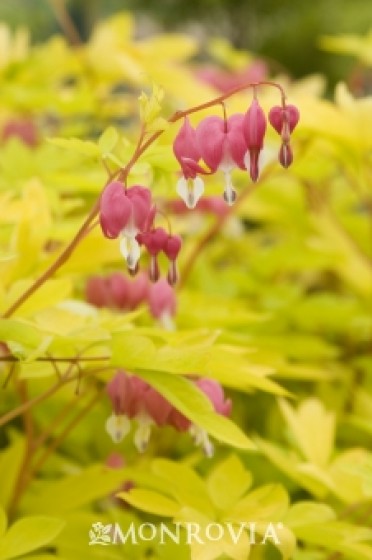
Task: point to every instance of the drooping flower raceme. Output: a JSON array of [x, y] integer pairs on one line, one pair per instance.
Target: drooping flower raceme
[[133, 399], [284, 120], [124, 214], [228, 143], [190, 187], [222, 146]]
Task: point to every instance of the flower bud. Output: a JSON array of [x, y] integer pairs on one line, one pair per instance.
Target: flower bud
[[285, 155], [254, 128], [278, 116]]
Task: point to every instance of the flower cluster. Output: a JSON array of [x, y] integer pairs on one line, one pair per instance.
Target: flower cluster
[[128, 214], [119, 292], [133, 399], [227, 143]]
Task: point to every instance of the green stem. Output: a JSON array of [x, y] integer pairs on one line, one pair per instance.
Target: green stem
[[48, 393]]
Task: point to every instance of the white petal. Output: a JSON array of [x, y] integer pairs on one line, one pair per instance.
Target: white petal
[[143, 433], [166, 321], [130, 250], [201, 438], [229, 193], [182, 189], [117, 427], [198, 189], [190, 194]]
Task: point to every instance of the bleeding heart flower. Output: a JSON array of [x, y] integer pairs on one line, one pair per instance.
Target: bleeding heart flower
[[223, 147], [190, 187], [279, 116], [125, 213], [284, 119]]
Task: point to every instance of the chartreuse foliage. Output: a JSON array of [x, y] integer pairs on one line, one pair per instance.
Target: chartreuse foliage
[[27, 534], [275, 305]]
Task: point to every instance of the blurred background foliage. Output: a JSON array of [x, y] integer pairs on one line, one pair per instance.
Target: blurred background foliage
[[283, 31]]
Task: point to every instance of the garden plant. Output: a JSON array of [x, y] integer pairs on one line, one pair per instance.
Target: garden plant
[[186, 298]]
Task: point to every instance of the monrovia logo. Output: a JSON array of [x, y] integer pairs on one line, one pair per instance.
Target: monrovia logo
[[183, 533], [100, 534]]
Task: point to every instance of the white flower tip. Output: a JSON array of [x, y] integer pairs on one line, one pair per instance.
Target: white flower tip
[[201, 439], [131, 251], [229, 193], [142, 434], [208, 448], [190, 194], [117, 427], [166, 321], [229, 196]]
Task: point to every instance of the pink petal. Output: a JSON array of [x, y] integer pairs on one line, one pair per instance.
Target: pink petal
[[185, 144], [172, 275], [154, 240], [157, 406], [285, 155], [140, 198], [120, 392], [179, 421], [252, 160], [191, 168], [162, 299], [277, 115], [172, 247], [119, 287], [138, 390], [137, 291], [237, 145], [210, 134], [254, 126], [214, 391], [97, 291], [115, 210]]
